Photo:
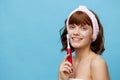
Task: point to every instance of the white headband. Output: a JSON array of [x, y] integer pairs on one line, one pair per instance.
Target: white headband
[[91, 16]]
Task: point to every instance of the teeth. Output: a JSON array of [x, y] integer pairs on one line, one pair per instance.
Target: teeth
[[76, 39]]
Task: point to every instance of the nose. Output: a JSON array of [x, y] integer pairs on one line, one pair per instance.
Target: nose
[[76, 31]]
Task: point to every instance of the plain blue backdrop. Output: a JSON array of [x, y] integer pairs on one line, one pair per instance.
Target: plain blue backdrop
[[30, 42]]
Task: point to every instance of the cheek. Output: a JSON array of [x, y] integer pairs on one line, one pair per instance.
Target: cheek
[[87, 34], [69, 32]]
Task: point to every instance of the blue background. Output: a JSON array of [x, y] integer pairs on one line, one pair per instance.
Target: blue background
[[30, 42]]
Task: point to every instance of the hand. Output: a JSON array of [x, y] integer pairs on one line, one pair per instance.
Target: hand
[[65, 69]]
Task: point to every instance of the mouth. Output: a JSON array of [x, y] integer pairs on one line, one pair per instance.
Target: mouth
[[76, 39]]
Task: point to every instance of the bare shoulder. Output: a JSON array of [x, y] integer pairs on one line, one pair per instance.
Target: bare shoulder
[[98, 61], [99, 67]]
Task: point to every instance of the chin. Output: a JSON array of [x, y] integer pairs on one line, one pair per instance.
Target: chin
[[76, 46]]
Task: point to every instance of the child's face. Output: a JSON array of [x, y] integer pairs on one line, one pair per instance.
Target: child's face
[[80, 35]]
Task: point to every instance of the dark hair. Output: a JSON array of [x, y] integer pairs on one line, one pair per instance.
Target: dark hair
[[78, 18]]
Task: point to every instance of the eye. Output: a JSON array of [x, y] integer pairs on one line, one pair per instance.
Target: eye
[[71, 26], [83, 27]]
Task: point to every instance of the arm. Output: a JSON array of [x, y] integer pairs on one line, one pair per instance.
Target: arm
[[99, 69]]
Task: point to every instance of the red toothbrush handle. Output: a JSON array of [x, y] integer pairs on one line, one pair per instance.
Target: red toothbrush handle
[[70, 56]]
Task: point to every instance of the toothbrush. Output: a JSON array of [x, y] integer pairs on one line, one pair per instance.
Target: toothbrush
[[69, 49]]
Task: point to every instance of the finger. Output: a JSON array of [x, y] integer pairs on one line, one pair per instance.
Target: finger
[[66, 69], [69, 69], [65, 58], [67, 63]]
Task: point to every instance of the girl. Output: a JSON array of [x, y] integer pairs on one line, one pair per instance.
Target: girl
[[86, 40]]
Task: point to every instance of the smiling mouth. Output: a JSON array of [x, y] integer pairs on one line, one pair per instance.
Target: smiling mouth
[[75, 39]]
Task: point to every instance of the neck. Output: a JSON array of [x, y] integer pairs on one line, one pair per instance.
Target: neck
[[82, 53]]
